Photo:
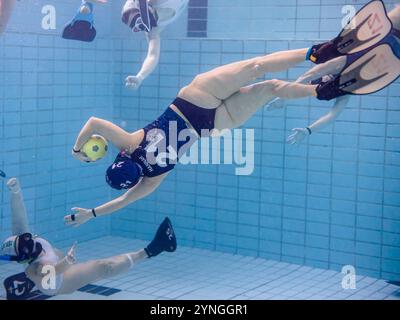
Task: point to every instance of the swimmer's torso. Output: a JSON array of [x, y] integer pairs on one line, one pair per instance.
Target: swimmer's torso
[[165, 140], [49, 256]]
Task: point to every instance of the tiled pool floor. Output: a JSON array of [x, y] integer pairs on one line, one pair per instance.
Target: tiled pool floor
[[201, 274]]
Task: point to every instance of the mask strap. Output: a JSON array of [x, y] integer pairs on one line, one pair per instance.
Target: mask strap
[[7, 258]]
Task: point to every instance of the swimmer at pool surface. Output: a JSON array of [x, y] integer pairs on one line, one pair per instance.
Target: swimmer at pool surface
[[36, 253], [150, 17]]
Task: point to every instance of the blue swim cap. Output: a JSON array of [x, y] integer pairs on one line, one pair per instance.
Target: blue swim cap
[[124, 173]]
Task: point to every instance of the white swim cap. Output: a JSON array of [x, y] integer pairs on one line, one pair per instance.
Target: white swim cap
[[9, 247], [21, 249]]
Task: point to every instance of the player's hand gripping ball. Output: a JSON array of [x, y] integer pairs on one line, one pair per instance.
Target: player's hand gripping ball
[[95, 148]]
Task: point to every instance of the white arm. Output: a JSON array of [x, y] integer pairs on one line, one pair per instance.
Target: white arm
[[332, 115], [111, 132], [150, 62], [143, 189], [299, 134]]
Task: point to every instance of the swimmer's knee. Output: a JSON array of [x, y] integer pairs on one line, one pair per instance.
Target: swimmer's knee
[[273, 84], [106, 268]]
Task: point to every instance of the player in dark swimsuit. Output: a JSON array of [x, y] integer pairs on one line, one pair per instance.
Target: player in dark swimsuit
[[222, 99]]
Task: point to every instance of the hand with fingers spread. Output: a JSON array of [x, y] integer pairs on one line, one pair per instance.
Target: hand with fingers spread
[[298, 135], [70, 257], [133, 82], [79, 217]]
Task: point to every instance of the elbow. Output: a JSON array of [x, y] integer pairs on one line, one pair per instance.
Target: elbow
[[155, 55], [92, 122], [92, 119]]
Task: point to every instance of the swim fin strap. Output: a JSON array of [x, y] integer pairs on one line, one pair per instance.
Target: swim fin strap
[[371, 72]]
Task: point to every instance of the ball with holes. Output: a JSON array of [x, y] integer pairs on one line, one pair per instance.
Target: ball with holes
[[95, 148]]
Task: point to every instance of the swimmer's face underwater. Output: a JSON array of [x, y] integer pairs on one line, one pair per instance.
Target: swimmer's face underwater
[[123, 173], [21, 249]]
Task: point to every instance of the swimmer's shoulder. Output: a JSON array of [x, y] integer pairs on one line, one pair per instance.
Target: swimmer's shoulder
[[136, 139]]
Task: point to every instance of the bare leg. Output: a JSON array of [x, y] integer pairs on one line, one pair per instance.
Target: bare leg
[[239, 107], [207, 90], [79, 275], [6, 7], [19, 216], [394, 16]]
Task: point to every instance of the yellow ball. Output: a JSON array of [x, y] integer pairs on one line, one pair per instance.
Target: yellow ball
[[95, 148]]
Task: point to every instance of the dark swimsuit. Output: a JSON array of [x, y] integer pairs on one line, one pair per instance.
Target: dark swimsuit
[[199, 118], [162, 132]]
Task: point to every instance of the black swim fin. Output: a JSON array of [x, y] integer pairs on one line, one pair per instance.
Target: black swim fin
[[18, 286], [370, 73], [81, 27], [367, 28], [164, 240]]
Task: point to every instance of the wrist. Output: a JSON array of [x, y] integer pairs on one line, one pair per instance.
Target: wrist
[[88, 214], [70, 260], [308, 130], [75, 149], [93, 213]]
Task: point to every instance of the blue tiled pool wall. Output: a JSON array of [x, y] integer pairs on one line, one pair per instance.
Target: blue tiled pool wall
[[49, 88], [330, 202], [271, 19]]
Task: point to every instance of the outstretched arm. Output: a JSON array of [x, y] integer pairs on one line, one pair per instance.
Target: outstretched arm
[[111, 132], [6, 7], [64, 264], [150, 63], [143, 189], [19, 218], [300, 133]]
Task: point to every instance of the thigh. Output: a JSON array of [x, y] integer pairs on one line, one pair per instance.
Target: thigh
[[199, 97], [224, 81], [239, 107], [79, 275], [210, 88]]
